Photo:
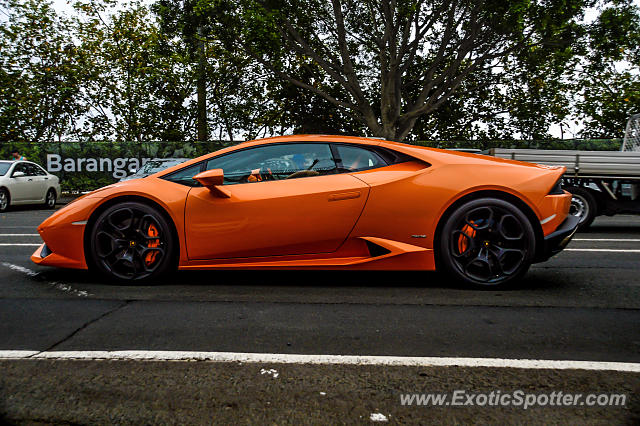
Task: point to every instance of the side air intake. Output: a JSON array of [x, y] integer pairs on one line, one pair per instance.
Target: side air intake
[[375, 250]]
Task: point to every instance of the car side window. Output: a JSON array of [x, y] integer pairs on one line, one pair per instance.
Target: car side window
[[20, 167], [185, 176], [355, 158], [39, 170], [275, 162], [31, 169]]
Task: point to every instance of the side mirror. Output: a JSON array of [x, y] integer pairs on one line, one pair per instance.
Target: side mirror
[[213, 180], [17, 174]]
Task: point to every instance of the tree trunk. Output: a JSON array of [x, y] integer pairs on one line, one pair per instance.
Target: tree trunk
[[202, 90]]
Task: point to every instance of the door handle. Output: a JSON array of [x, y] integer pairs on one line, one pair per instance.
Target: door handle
[[46, 178], [29, 180], [344, 196]]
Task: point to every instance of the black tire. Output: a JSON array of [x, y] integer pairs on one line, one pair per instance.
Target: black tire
[[486, 242], [5, 200], [50, 199], [583, 205], [123, 247]]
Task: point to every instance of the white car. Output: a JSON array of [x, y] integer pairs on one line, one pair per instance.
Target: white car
[[24, 182]]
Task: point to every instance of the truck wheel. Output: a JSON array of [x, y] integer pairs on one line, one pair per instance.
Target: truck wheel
[[583, 205]]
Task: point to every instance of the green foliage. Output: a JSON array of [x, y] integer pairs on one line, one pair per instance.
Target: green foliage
[[608, 80], [392, 66], [138, 87], [117, 71], [40, 78], [565, 144]]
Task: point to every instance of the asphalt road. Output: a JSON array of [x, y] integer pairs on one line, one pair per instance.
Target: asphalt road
[[584, 304]]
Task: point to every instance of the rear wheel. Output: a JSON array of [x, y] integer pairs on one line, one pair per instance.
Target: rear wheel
[[132, 241], [487, 242], [50, 199], [583, 205], [4, 199]]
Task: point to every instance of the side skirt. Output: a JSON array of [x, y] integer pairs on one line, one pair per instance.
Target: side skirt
[[365, 253]]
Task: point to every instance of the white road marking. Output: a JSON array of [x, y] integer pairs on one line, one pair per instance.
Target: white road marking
[[633, 240], [19, 244], [17, 354], [24, 235], [605, 250], [58, 286], [19, 268], [537, 364], [68, 289]]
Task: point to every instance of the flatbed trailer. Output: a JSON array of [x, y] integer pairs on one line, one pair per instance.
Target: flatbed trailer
[[602, 182]]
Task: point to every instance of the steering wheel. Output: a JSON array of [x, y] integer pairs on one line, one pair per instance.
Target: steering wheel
[[266, 174], [306, 172]]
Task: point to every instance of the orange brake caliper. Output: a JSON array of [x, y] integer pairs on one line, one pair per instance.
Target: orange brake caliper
[[463, 240], [151, 256]]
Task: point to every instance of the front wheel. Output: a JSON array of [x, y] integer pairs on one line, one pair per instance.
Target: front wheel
[[131, 242], [487, 242]]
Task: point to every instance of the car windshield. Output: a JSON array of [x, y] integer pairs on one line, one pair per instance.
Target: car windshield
[[154, 166], [4, 167]]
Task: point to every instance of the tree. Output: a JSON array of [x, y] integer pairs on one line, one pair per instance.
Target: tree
[[177, 17], [138, 86], [393, 61], [607, 82], [39, 73]]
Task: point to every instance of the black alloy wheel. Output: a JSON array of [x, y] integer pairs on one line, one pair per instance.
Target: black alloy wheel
[[487, 242], [131, 241]]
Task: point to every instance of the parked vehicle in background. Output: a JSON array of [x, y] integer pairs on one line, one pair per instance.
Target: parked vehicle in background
[[601, 182], [24, 182], [154, 166]]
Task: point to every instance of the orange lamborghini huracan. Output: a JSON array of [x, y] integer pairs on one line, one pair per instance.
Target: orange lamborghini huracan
[[319, 202]]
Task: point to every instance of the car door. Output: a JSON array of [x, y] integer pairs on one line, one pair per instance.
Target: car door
[[40, 181], [393, 194], [23, 189], [285, 199]]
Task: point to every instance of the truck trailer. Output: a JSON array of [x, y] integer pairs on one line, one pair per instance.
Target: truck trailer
[[601, 182]]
